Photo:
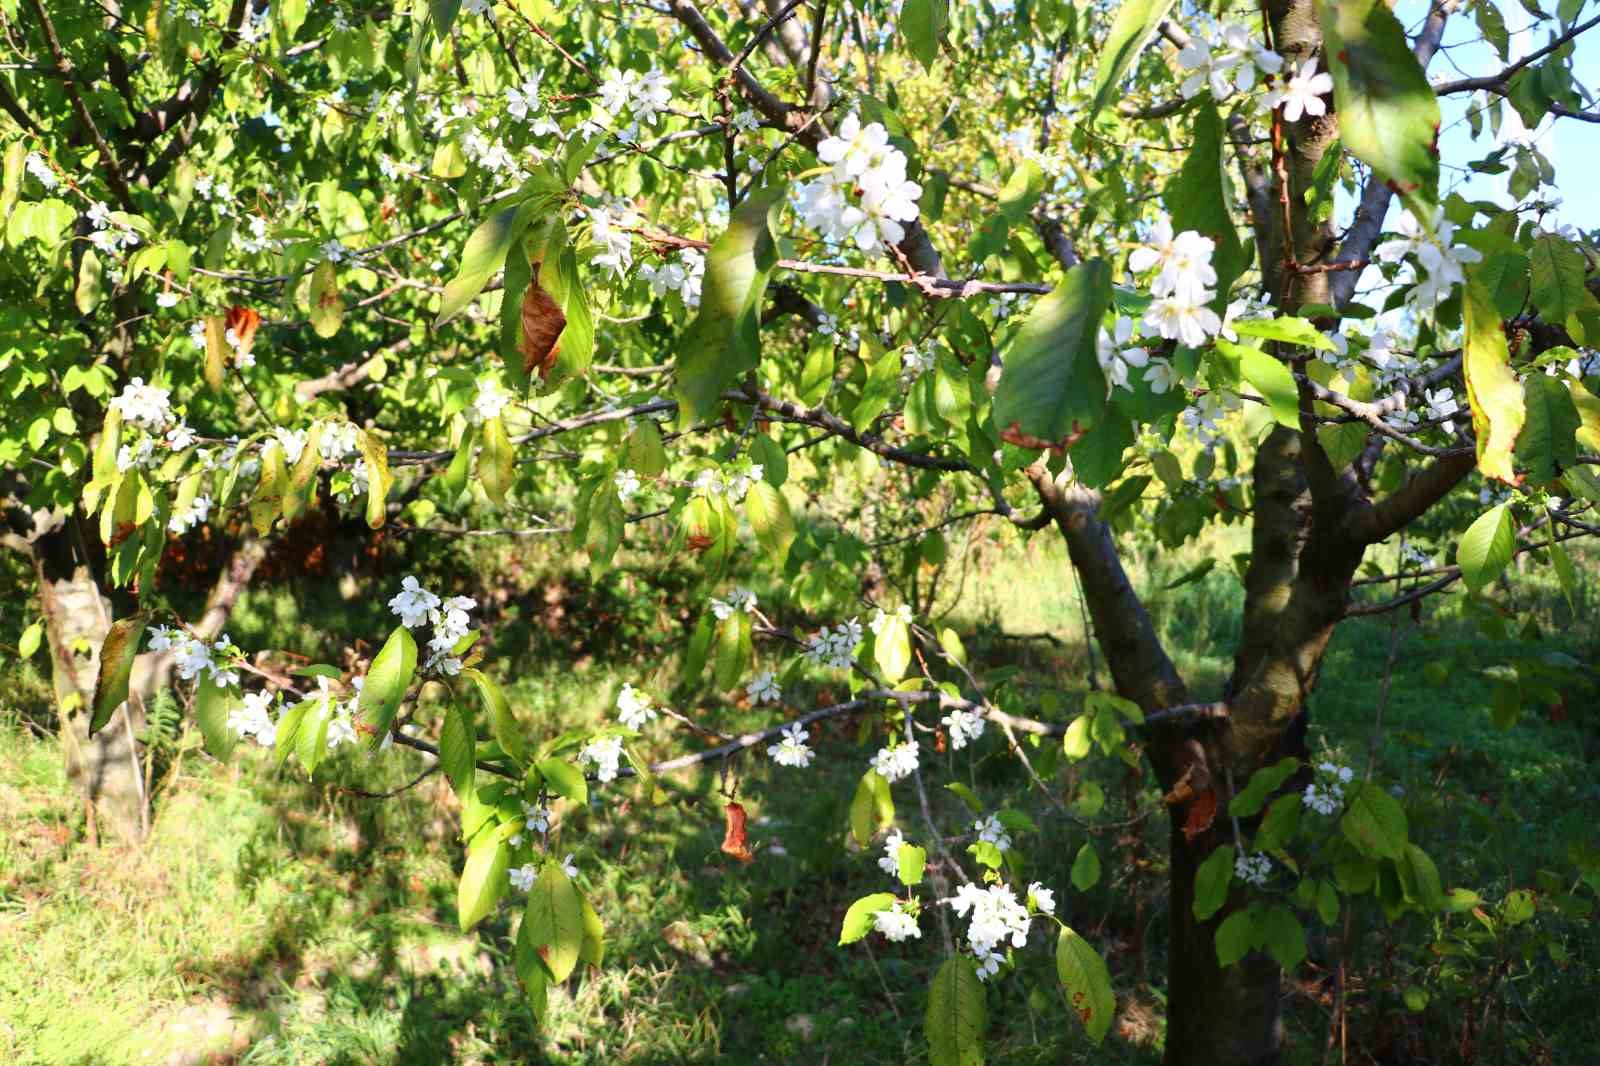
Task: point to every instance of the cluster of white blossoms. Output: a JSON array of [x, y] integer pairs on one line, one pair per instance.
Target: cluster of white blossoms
[[711, 483], [1117, 358], [642, 96], [524, 104], [896, 923], [1224, 61], [40, 170], [627, 483], [1252, 869], [1182, 285], [524, 876], [791, 748], [606, 755], [990, 831], [685, 276], [865, 196], [835, 647], [740, 599], [198, 511], [1435, 250], [996, 917], [253, 718], [634, 708], [192, 656], [965, 726], [917, 359], [416, 606], [1204, 417], [889, 861], [110, 235], [488, 402], [1326, 794], [764, 688], [535, 819], [1301, 93], [896, 762], [881, 619], [610, 227], [146, 406]]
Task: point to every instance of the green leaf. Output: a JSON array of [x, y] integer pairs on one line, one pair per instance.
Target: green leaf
[[1136, 21], [1420, 879], [1495, 395], [891, 649], [1549, 439], [694, 660], [1197, 198], [555, 920], [311, 739], [531, 972], [483, 879], [212, 706], [723, 343], [1263, 783], [1486, 547], [1284, 936], [733, 650], [496, 461], [379, 480], [1086, 868], [593, 950], [922, 23], [1375, 823], [1558, 273], [910, 861], [91, 284], [957, 1015], [30, 640], [483, 255], [968, 797], [1052, 390], [327, 307], [458, 749], [882, 389], [1235, 936], [1388, 113], [1287, 329], [1021, 191], [858, 919], [502, 724], [564, 779], [385, 686], [1211, 882], [1275, 382], [871, 808], [1076, 742], [1087, 982], [300, 489], [117, 653], [771, 520]]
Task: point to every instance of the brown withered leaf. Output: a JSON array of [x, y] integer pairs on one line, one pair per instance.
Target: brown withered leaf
[[542, 323], [244, 322], [1201, 812], [735, 842]]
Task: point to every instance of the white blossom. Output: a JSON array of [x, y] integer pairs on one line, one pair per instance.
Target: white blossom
[[990, 831], [895, 923], [489, 401], [253, 718], [41, 170], [523, 877], [413, 603], [627, 483], [764, 689], [1301, 93], [896, 762], [148, 406], [889, 861], [633, 707], [965, 726], [791, 750], [606, 754], [1043, 899], [1252, 869]]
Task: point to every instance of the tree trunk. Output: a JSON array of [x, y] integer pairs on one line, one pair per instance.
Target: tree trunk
[[1216, 1016], [76, 617]]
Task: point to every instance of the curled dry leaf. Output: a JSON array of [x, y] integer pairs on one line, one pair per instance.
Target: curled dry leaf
[[1200, 813], [244, 322], [735, 842], [542, 323]]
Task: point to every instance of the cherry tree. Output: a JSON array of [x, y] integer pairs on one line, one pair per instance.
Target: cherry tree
[[804, 287]]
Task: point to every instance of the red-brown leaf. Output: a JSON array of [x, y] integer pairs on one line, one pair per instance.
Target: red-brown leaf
[[542, 323], [244, 322], [1202, 811], [734, 840]]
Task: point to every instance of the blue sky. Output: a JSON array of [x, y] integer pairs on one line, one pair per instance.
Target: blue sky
[[1572, 146]]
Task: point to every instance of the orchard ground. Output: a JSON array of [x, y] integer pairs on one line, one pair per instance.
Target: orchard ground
[[271, 919]]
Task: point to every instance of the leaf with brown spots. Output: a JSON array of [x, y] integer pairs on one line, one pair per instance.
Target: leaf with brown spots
[[542, 323], [735, 842]]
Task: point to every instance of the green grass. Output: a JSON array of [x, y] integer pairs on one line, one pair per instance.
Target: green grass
[[274, 920]]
